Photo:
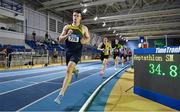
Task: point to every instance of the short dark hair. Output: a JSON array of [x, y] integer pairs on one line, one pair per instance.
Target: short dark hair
[[77, 11]]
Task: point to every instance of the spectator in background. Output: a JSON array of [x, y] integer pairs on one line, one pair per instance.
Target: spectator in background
[[8, 50], [47, 39], [129, 51], [55, 55], [123, 55], [34, 36]]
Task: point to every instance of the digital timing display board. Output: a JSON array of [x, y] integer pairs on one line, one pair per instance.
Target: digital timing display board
[[157, 74]]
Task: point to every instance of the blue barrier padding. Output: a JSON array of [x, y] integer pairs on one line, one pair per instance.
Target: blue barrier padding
[[169, 49], [165, 100]]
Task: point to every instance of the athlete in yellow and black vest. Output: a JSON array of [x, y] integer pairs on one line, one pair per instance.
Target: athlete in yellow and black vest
[[74, 35], [73, 44], [116, 53], [105, 48]]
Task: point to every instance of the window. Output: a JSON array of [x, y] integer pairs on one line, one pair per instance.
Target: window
[[52, 24], [59, 27]]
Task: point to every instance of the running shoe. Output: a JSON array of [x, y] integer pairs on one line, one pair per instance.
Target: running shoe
[[58, 99], [101, 73], [76, 73]]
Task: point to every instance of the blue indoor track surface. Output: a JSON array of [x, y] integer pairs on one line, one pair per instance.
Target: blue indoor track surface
[[99, 102], [36, 89]]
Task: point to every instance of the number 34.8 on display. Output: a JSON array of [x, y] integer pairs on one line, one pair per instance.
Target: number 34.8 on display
[[170, 70]]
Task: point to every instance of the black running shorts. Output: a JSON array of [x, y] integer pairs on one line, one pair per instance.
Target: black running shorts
[[73, 56]]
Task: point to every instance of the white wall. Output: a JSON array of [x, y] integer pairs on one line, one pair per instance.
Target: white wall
[[11, 14], [36, 21], [9, 37], [3, 25], [56, 34]]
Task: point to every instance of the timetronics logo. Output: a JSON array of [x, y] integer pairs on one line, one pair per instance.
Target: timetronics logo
[[168, 50]]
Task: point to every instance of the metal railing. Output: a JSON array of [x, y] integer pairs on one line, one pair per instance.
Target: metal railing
[[2, 59], [27, 59]]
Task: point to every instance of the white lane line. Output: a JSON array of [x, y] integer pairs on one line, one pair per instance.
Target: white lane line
[[53, 93], [27, 86], [48, 83], [22, 72], [21, 79], [35, 84], [42, 75], [89, 100], [25, 72]]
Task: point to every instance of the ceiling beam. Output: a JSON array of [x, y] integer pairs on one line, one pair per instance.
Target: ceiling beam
[[100, 2], [53, 2], [147, 33], [58, 5], [152, 37], [133, 6], [130, 27], [163, 13]]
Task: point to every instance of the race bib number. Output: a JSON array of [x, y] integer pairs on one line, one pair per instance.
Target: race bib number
[[73, 38]]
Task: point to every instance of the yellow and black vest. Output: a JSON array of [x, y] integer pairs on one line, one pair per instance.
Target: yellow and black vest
[[116, 48], [73, 41], [106, 48]]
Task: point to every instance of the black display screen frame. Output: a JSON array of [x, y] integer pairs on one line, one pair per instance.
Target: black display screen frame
[[162, 83]]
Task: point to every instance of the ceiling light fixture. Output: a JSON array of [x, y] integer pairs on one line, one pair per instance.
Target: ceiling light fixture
[[114, 31], [95, 18], [104, 24], [109, 28], [85, 10], [85, 5]]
